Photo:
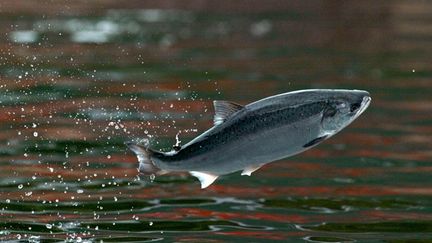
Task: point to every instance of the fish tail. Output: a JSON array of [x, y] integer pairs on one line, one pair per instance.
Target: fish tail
[[144, 155]]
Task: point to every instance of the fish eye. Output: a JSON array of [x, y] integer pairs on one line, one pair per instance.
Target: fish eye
[[341, 105]]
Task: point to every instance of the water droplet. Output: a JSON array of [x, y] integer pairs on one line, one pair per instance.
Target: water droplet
[[34, 238], [35, 134], [79, 191], [152, 177], [49, 226], [151, 223], [20, 186]]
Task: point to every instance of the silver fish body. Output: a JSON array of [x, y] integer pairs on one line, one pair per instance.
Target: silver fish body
[[245, 138]]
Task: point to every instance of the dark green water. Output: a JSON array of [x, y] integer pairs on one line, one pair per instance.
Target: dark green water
[[77, 80]]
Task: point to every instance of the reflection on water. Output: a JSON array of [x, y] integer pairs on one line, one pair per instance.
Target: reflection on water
[[78, 80]]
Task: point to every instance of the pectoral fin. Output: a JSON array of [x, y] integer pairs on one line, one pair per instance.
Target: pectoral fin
[[206, 179], [250, 169], [315, 141]]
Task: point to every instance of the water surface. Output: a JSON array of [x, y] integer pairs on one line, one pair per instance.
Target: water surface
[[78, 80]]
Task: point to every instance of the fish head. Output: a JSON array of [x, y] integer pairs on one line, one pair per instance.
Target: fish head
[[342, 108]]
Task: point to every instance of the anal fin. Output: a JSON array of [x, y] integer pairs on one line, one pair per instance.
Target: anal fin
[[206, 179], [250, 169]]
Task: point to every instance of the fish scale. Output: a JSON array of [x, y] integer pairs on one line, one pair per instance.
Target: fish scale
[[244, 138]]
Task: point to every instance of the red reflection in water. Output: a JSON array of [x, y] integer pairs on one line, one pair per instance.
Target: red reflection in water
[[274, 235], [265, 191], [395, 216], [251, 215]]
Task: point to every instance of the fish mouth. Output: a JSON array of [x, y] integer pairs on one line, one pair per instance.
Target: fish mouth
[[363, 106]]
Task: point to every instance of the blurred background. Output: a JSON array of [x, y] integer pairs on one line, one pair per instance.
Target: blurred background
[[80, 78]]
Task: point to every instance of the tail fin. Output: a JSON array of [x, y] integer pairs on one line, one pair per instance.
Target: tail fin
[[144, 153]]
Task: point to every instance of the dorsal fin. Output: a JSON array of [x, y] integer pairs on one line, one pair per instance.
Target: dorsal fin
[[223, 110]]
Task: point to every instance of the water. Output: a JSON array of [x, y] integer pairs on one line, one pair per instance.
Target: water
[[78, 80]]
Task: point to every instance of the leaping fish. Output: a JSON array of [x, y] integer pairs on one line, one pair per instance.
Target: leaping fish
[[244, 138]]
